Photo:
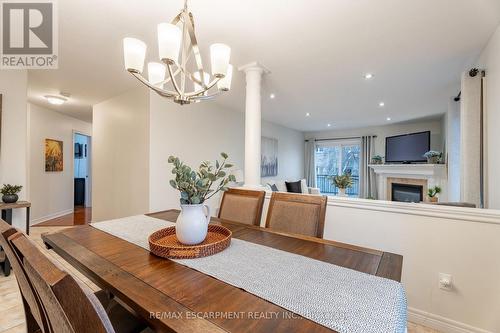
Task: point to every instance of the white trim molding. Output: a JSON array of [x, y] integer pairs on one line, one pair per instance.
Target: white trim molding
[[409, 169], [51, 216], [439, 323], [420, 209], [491, 216]]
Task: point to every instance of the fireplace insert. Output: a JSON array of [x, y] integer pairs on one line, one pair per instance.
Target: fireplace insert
[[407, 193]]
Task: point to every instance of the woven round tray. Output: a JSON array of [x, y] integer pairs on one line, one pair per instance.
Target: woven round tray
[[164, 243]]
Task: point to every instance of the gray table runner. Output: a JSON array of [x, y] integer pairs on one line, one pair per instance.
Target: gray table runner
[[339, 298]]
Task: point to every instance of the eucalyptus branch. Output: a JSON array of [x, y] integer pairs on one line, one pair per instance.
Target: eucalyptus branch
[[221, 185], [221, 165], [196, 186]]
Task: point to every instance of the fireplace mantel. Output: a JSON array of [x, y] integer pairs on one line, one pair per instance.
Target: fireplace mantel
[[410, 169], [434, 174]]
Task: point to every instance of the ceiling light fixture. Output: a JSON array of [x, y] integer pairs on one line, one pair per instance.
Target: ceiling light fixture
[[55, 100], [178, 37], [329, 125], [272, 96], [381, 104], [388, 118], [368, 76], [308, 114]]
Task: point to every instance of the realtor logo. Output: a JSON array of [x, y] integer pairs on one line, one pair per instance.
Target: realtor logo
[[29, 35]]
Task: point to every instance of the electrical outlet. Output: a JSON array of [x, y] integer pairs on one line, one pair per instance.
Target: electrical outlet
[[445, 282]]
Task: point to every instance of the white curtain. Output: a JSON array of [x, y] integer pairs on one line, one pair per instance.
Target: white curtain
[[309, 163], [367, 180], [470, 141]]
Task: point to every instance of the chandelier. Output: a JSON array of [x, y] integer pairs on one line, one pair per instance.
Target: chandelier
[[177, 45]]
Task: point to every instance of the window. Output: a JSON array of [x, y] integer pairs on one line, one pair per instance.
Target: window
[[334, 158]]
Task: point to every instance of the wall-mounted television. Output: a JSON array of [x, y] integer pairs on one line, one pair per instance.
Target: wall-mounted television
[[407, 148]]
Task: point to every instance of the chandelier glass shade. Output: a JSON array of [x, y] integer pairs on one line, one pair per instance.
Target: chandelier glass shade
[[172, 77]]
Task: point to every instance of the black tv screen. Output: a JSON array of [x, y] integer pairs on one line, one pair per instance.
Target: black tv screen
[[407, 148]]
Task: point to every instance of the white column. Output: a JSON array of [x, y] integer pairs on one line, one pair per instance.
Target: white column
[[253, 72]]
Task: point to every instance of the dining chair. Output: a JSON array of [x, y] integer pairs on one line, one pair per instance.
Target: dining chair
[[70, 307], [244, 206], [36, 320], [297, 213]]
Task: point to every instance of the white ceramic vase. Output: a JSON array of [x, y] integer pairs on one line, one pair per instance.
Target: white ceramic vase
[[192, 224], [342, 192]]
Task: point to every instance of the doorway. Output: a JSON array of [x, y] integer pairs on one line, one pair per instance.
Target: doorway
[[82, 171]]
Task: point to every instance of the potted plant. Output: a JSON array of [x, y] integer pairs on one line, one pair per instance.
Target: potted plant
[[377, 159], [195, 188], [9, 193], [342, 182], [433, 192], [433, 157]]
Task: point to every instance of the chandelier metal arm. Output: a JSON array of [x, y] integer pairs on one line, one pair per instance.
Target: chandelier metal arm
[[207, 87], [168, 78], [188, 17], [163, 92], [172, 77], [206, 97]]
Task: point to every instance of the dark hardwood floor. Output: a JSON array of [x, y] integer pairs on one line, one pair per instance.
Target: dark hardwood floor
[[81, 216]]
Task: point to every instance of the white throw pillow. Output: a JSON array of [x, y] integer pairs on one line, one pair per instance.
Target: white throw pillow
[[303, 185], [281, 185]]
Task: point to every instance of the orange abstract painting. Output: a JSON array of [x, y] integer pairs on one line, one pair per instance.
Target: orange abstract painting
[[53, 155]]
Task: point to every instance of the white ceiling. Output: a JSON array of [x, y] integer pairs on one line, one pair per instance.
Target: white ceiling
[[317, 50]]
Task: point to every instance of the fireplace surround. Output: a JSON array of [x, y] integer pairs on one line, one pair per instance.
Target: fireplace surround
[[425, 175]]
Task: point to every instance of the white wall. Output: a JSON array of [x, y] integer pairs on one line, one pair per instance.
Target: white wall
[[14, 134], [290, 151], [51, 193], [120, 160], [431, 242], [490, 61], [194, 133], [382, 132]]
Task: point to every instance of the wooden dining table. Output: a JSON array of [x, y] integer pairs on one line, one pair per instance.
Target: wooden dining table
[[171, 297]]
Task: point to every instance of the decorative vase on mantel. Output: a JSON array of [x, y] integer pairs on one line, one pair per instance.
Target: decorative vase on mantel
[[195, 187], [433, 157], [433, 160]]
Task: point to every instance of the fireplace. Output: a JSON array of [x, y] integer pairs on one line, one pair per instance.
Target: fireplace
[[407, 192], [425, 175]]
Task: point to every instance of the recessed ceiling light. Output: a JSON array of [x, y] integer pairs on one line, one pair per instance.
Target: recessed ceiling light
[[388, 118], [368, 76], [381, 104], [329, 125], [308, 114], [56, 100], [272, 96]]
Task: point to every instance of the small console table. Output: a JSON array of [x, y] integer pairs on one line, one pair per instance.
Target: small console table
[[6, 209]]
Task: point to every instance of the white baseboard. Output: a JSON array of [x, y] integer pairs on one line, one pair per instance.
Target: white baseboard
[[51, 216], [439, 323]]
